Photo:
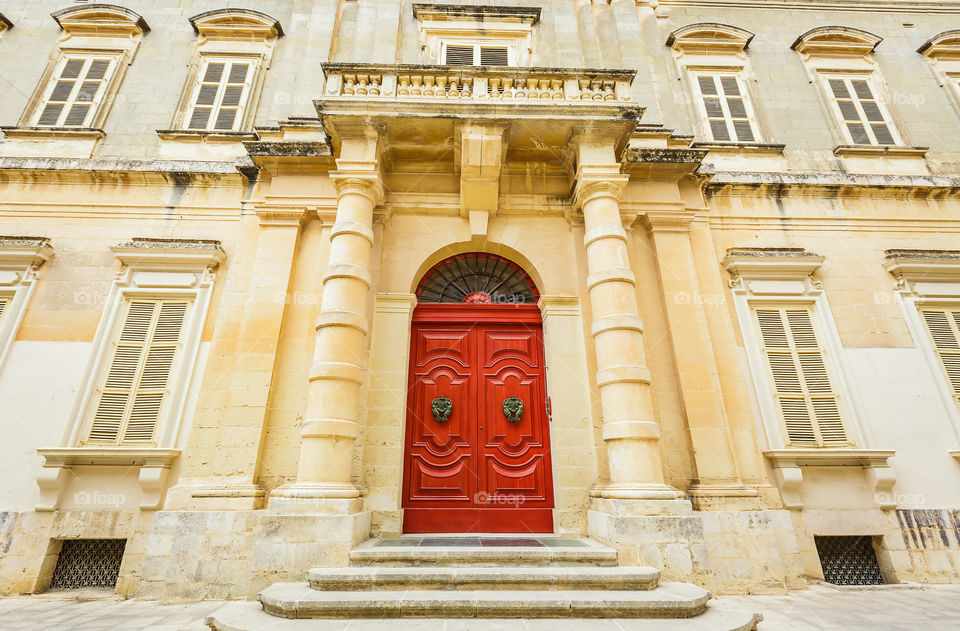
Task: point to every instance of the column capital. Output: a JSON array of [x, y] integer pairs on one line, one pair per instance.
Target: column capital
[[358, 179], [595, 183], [280, 217], [668, 220]]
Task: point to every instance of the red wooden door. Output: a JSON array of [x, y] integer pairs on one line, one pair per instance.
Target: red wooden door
[[478, 470]]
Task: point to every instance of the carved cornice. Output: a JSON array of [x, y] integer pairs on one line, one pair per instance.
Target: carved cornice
[[945, 45], [836, 40], [281, 217], [170, 254], [477, 13], [236, 24], [779, 263], [100, 20], [709, 37], [923, 265], [24, 252], [668, 221]]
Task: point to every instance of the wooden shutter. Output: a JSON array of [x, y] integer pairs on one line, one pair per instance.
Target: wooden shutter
[[860, 111], [726, 108], [494, 56], [75, 92], [4, 301], [221, 95], [801, 383], [458, 55], [944, 328], [132, 395]]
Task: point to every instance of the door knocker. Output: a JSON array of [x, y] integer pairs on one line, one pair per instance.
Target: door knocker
[[441, 408], [512, 409]]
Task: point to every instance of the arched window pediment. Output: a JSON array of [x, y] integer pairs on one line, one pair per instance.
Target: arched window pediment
[[236, 24], [942, 45], [708, 37], [836, 41], [100, 19], [5, 24]]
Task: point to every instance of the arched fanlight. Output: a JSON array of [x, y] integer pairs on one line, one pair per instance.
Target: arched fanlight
[[477, 278]]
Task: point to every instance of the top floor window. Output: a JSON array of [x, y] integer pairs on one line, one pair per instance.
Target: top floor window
[[457, 35]]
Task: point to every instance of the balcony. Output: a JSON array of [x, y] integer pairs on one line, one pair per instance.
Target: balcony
[[478, 92]]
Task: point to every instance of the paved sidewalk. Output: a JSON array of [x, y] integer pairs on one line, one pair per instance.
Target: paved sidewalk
[[820, 608]]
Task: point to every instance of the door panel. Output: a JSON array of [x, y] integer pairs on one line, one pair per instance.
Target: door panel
[[478, 471]]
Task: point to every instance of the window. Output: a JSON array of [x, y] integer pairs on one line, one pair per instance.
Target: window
[[943, 325], [4, 301], [476, 54], [76, 90], [221, 94], [20, 262], [861, 114], [133, 392], [725, 108], [801, 384]]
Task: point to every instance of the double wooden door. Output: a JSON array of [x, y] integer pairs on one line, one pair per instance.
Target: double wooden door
[[477, 454]]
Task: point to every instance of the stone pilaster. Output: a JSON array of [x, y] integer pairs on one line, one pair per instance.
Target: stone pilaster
[[240, 375], [331, 427], [630, 431], [718, 483]]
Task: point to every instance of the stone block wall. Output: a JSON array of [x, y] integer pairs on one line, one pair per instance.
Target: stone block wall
[[924, 545]]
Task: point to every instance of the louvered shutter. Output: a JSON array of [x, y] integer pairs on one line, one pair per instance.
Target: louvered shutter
[[726, 108], [221, 95], [132, 395], [801, 384], [494, 56], [75, 92], [944, 328], [458, 55], [860, 111], [4, 301]]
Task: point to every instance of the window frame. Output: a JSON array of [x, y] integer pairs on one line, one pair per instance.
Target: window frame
[[103, 94], [243, 119], [477, 44], [879, 97], [150, 271], [693, 73], [19, 274]]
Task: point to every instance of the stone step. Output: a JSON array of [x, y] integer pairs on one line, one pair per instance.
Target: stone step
[[249, 616], [669, 600], [516, 578], [587, 553]]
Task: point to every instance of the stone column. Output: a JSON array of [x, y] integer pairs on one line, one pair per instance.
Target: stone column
[[718, 483], [331, 427], [630, 431]]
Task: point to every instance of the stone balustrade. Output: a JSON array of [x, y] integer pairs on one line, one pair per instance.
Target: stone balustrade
[[474, 83]]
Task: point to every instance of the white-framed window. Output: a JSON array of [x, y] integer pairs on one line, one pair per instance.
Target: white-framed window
[[943, 326], [135, 387], [725, 106], [799, 379], [859, 109], [221, 93], [20, 262], [467, 53], [76, 89]]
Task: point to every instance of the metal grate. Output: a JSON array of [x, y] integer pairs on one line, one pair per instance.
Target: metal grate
[[849, 560], [88, 563]]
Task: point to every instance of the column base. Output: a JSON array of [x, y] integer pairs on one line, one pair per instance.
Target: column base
[[637, 492], [716, 497], [312, 498]]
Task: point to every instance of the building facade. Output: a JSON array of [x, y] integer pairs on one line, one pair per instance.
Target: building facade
[[268, 272]]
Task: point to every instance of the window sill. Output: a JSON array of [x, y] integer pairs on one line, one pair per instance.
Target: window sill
[[879, 151], [741, 147], [789, 464], [154, 464], [53, 133], [202, 135]]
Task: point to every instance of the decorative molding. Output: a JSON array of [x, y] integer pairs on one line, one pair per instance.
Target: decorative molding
[[944, 45], [5, 24], [919, 267], [709, 38], [853, 6], [20, 261], [53, 133], [753, 148], [668, 221], [836, 41], [24, 252], [789, 464], [154, 465], [100, 20], [170, 254], [880, 151], [476, 13], [236, 24], [771, 263]]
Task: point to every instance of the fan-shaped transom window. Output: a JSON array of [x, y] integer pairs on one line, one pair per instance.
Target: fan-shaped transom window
[[477, 278]]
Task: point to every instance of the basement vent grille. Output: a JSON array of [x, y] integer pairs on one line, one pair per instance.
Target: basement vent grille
[[849, 560], [88, 563]]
